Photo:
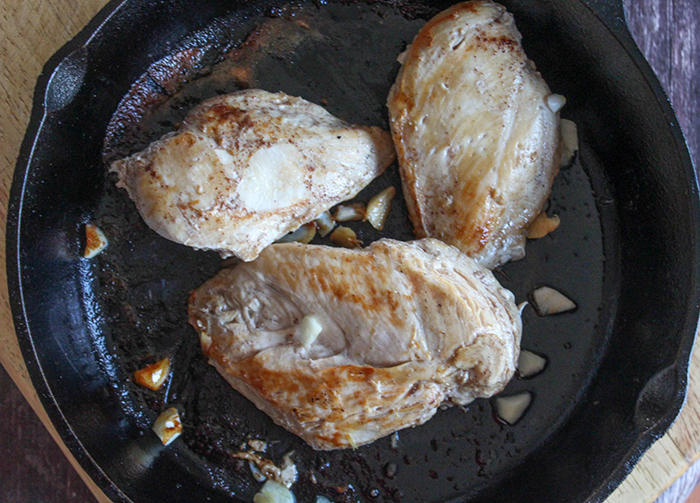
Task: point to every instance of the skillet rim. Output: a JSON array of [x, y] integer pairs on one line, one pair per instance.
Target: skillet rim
[[613, 16], [610, 14]]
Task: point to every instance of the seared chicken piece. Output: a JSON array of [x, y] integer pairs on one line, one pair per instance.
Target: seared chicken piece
[[342, 347], [478, 146], [246, 168]]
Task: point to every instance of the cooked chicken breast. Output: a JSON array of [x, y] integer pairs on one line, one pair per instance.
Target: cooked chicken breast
[[246, 168], [342, 347], [478, 146]]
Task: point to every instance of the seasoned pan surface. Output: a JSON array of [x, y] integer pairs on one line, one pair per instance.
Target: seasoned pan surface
[[626, 252]]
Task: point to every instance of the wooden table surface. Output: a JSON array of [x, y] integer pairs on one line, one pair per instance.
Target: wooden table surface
[[32, 467]]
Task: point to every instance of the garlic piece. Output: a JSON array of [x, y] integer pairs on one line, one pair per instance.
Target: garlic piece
[[569, 140], [347, 213], [547, 301], [95, 241], [153, 376], [286, 475], [511, 408], [379, 207], [303, 234], [556, 102], [309, 329], [257, 445], [204, 341], [530, 364], [325, 223], [168, 426], [255, 471], [345, 237], [542, 225], [272, 492]]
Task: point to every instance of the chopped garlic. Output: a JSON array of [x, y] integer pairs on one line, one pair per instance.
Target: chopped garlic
[[168, 426], [303, 234], [556, 102], [345, 237], [309, 329], [153, 376], [511, 408], [325, 223], [95, 241], [542, 225], [548, 301], [257, 474], [204, 341], [272, 492], [569, 139], [286, 475], [530, 364], [379, 206], [257, 445], [401, 58], [347, 213]]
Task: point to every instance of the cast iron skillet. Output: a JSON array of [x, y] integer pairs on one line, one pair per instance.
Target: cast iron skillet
[[627, 253]]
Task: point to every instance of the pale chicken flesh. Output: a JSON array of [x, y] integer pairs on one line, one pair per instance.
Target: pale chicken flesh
[[401, 328], [478, 146], [246, 168]]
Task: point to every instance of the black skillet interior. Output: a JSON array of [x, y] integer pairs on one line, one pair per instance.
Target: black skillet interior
[[626, 252]]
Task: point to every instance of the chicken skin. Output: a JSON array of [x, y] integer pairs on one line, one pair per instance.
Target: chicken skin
[[397, 329], [246, 168], [477, 144]]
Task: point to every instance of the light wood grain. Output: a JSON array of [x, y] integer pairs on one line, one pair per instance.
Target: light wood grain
[[32, 30]]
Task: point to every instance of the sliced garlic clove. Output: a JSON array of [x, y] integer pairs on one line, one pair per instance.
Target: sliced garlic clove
[[168, 426], [530, 364], [542, 225], [555, 102], [522, 306], [95, 241], [351, 212], [379, 207], [325, 223], [511, 408], [569, 139], [309, 329], [401, 58], [288, 472], [257, 445], [204, 341], [255, 471], [273, 492], [153, 376], [345, 237], [303, 234], [548, 301]]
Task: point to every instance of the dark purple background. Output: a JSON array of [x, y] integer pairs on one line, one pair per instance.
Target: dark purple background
[[33, 469]]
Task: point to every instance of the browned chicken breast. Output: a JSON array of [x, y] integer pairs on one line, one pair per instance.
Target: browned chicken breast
[[478, 146], [246, 168], [342, 347]]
